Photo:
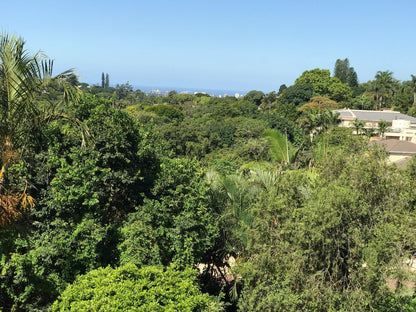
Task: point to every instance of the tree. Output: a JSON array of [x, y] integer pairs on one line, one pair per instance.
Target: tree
[[339, 91], [176, 224], [165, 110], [414, 88], [341, 69], [358, 125], [352, 79], [24, 78], [345, 73], [315, 122], [362, 102], [319, 103], [282, 88], [328, 239], [73, 80], [385, 86], [318, 78], [382, 128], [324, 85], [107, 80], [281, 149], [297, 94], [254, 96], [129, 288], [268, 102], [102, 80]]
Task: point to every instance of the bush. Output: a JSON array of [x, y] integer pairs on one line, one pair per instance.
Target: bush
[[129, 288]]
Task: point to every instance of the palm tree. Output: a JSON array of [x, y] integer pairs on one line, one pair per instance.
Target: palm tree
[[382, 128], [316, 122], [330, 119], [23, 79], [358, 125], [311, 122], [280, 147], [385, 86]]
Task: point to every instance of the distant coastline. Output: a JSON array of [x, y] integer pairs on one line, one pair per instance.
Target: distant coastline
[[214, 92], [165, 90]]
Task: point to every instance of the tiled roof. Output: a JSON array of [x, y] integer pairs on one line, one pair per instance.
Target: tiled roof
[[398, 146], [369, 115]]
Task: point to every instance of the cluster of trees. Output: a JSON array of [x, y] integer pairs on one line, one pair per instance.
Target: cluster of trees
[[111, 199]]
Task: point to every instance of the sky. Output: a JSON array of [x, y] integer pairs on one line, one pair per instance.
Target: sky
[[227, 45]]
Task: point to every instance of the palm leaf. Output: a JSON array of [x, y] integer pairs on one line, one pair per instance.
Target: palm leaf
[[280, 147]]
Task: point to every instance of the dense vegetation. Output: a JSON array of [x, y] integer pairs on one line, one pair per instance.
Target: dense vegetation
[[114, 200]]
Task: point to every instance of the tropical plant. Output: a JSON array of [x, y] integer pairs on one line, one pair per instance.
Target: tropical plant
[[385, 86], [314, 122], [24, 80], [358, 125], [382, 128], [280, 147]]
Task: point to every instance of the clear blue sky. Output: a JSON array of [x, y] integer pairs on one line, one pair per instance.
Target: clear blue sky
[[237, 45]]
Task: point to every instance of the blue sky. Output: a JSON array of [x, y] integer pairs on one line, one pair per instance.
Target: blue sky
[[235, 45]]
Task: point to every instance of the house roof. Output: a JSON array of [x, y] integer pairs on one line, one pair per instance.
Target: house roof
[[370, 115], [398, 147]]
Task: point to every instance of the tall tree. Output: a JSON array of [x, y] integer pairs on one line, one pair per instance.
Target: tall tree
[[107, 80], [341, 69], [345, 73], [385, 86], [352, 78], [102, 80], [414, 88]]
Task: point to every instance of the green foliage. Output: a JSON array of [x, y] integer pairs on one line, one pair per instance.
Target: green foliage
[[318, 78], [281, 149], [335, 234], [362, 102], [85, 194], [345, 73], [254, 97], [320, 104], [391, 304], [105, 179], [339, 91], [131, 289], [297, 94], [164, 110], [176, 224], [181, 98]]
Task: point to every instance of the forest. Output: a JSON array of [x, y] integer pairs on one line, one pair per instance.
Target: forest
[[115, 200]]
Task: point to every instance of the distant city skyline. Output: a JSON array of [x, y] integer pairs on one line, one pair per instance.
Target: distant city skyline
[[165, 89], [231, 45]]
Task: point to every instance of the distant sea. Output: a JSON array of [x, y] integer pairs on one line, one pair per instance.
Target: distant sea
[[214, 92]]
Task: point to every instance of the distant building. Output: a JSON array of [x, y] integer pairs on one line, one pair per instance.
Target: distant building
[[371, 118], [400, 137], [400, 152]]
